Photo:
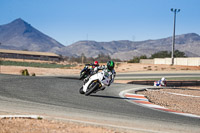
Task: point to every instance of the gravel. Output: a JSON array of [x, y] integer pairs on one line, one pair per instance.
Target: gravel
[[184, 99], [48, 126]]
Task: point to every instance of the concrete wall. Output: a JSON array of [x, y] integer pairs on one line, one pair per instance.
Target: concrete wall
[[193, 61], [147, 61]]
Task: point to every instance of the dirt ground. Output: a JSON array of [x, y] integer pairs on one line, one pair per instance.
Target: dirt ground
[[184, 99], [119, 68], [163, 97], [49, 126]]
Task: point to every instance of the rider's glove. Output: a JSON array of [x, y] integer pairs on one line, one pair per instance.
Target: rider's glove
[[96, 69]]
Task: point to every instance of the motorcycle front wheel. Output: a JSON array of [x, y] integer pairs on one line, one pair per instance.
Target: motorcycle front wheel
[[82, 75], [81, 90], [91, 88]]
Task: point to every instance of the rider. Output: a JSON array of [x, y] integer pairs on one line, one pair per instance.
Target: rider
[[93, 69], [109, 73], [161, 82], [91, 66], [95, 64], [109, 68]]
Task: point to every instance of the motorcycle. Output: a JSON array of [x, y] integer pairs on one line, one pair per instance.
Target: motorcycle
[[96, 83], [85, 72]]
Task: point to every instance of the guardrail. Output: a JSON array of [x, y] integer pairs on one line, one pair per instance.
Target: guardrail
[[175, 83]]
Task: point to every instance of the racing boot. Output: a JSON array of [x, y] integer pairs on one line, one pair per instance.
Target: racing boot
[[102, 88]]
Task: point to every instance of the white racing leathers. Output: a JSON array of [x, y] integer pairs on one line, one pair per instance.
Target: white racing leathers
[[105, 78]]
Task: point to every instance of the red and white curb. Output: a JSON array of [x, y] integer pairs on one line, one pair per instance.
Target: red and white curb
[[20, 116], [142, 100]]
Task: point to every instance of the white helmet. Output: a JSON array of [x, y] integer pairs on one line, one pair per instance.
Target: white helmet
[[163, 79]]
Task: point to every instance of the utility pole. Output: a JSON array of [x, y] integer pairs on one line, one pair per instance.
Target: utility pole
[[173, 38]]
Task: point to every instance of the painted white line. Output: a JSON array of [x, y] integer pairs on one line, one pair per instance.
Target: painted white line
[[134, 94], [154, 106], [180, 94], [175, 93], [21, 116]]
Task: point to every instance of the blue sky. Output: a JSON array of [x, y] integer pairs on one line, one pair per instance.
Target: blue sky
[[69, 21]]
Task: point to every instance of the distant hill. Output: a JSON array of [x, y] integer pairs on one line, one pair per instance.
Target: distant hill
[[125, 50], [19, 35]]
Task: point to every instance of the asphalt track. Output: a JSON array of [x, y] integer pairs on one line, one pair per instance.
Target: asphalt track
[[58, 97]]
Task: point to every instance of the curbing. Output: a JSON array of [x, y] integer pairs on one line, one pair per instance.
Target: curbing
[[20, 116], [143, 101]]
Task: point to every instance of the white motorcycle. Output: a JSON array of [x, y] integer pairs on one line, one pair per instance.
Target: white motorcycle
[[96, 83]]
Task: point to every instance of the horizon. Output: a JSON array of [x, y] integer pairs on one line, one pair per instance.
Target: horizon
[[104, 21], [21, 19]]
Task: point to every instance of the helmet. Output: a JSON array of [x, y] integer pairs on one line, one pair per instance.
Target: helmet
[[96, 63], [163, 79], [110, 65]]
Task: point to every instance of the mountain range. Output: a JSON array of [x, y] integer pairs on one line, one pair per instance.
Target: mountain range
[[20, 35], [125, 50]]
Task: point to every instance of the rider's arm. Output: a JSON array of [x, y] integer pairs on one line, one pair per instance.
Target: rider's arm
[[96, 69], [101, 67], [112, 77]]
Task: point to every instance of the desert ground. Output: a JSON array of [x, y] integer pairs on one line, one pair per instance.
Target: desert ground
[[119, 68]]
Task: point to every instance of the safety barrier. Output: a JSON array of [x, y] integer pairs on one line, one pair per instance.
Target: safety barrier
[[175, 83], [192, 61]]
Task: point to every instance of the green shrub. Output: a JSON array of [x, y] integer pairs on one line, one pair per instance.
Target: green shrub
[[25, 72], [35, 64], [33, 74]]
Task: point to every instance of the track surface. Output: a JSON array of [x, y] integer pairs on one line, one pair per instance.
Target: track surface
[[58, 97]]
